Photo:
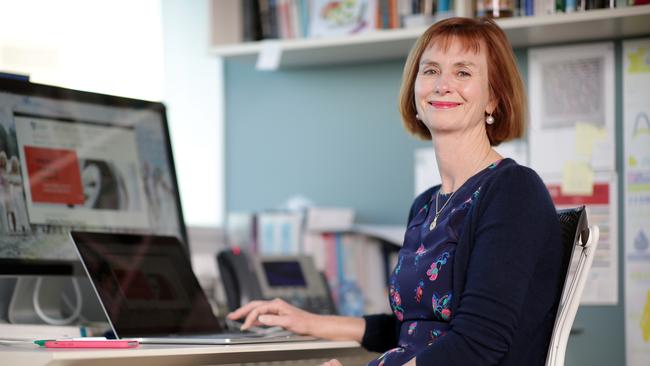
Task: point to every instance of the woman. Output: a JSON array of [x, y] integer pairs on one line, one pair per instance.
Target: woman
[[4, 193], [478, 278], [17, 212]]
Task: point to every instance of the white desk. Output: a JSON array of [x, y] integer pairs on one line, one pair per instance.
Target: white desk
[[296, 353]]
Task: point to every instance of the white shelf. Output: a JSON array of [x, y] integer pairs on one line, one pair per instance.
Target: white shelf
[[395, 44]]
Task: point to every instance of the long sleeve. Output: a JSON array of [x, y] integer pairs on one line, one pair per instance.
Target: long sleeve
[[513, 265], [382, 332]]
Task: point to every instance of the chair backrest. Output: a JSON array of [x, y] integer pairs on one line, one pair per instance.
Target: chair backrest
[[579, 243]]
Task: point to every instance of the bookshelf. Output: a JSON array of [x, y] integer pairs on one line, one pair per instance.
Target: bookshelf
[[394, 44]]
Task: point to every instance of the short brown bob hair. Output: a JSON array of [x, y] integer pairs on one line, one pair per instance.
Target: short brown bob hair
[[505, 83]]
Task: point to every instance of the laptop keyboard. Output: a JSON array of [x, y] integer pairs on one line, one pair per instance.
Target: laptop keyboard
[[232, 331], [234, 327], [229, 334]]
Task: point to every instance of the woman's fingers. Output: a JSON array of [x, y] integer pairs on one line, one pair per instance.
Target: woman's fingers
[[332, 362], [275, 320], [274, 307], [251, 318], [242, 311], [275, 313]]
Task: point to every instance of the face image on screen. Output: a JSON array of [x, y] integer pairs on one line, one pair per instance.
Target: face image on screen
[[77, 160]]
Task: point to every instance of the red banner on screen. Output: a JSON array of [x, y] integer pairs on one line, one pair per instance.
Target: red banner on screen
[[54, 176]]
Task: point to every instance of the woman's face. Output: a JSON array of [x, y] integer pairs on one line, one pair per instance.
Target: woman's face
[[451, 89], [92, 184]]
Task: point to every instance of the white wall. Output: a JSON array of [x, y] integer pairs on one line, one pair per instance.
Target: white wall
[[112, 47], [194, 94], [146, 49]]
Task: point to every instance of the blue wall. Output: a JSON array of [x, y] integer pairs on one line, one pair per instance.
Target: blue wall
[[333, 134]]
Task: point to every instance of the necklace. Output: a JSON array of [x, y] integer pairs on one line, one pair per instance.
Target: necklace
[[438, 212]]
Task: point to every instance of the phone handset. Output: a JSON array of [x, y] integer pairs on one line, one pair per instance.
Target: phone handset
[[238, 277]]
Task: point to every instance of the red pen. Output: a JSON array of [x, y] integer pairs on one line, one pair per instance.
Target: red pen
[[108, 343]]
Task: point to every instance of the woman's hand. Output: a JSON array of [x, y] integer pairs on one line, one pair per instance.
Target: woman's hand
[[276, 313], [332, 362]]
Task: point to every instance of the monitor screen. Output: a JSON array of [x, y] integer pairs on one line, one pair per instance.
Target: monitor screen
[[284, 274], [79, 160]]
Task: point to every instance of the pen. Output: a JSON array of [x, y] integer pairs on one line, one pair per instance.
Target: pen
[[41, 342], [106, 343]]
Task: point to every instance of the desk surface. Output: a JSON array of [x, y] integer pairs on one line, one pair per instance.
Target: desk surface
[[161, 355]]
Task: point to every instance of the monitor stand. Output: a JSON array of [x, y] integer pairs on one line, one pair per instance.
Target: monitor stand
[[21, 308]]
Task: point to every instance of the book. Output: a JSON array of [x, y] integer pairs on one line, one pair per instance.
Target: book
[[282, 13], [356, 265], [392, 234], [529, 7], [279, 232], [226, 22], [274, 27], [338, 18], [384, 10], [265, 20], [252, 27], [329, 219], [304, 17]]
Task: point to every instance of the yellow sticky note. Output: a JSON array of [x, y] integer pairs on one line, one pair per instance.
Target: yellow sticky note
[[645, 320], [577, 179], [586, 136], [639, 61]]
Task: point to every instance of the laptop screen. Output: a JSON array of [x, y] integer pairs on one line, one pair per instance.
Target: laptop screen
[[146, 284]]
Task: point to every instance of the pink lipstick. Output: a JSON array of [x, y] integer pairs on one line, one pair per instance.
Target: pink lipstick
[[444, 105]]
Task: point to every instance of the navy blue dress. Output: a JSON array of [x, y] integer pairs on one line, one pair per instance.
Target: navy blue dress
[[420, 290]]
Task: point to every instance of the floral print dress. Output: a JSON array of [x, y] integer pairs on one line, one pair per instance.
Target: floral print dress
[[421, 283]]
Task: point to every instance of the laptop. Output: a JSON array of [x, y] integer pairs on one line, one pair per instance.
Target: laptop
[[149, 292]]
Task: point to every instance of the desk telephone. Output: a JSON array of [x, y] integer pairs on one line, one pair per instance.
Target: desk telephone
[[294, 279]]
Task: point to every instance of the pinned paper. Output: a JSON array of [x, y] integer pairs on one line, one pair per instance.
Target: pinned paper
[[645, 320], [577, 178], [269, 56], [639, 61], [587, 134]]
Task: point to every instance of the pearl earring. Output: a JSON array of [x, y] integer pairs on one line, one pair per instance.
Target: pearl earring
[[489, 119], [417, 116]]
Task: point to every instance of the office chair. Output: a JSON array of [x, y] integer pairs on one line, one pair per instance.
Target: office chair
[[579, 244]]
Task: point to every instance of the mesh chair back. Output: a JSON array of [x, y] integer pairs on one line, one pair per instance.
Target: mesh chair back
[[579, 241], [573, 222]]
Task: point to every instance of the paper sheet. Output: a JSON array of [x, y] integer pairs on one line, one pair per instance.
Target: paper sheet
[[602, 208], [636, 127], [577, 178], [571, 89], [270, 56], [587, 134]]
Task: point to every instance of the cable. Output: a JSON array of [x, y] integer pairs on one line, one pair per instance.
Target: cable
[[48, 319], [70, 307]]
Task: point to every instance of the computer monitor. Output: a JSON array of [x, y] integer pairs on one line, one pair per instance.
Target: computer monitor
[[78, 160]]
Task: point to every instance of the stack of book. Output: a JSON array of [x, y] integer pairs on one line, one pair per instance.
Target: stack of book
[[237, 21], [353, 257]]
